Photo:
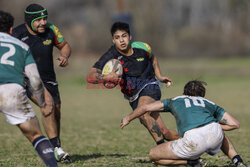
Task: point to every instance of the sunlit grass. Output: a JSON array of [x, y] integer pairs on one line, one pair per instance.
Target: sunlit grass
[[91, 117]]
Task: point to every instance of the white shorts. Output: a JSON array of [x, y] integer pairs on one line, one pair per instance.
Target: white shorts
[[197, 141], [14, 104]]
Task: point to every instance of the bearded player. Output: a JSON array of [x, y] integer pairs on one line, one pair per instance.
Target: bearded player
[[41, 37]]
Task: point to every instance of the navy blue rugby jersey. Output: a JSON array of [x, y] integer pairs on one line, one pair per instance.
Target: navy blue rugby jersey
[[137, 69], [41, 47]]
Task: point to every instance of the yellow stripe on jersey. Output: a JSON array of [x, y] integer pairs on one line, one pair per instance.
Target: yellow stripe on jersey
[[144, 46]]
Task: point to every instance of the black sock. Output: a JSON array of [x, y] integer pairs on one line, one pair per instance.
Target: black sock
[[193, 162], [237, 159], [160, 141], [55, 142], [45, 151]]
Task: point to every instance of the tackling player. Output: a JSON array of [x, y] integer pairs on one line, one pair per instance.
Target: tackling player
[[42, 36], [15, 58], [139, 84], [200, 124]]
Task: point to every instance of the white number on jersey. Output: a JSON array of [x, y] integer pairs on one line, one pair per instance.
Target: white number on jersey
[[11, 52], [196, 102]]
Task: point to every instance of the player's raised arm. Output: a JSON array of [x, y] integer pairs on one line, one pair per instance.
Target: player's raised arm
[[65, 50], [61, 44], [153, 107], [158, 74]]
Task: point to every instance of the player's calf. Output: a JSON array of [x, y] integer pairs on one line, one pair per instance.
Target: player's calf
[[153, 128], [45, 151]]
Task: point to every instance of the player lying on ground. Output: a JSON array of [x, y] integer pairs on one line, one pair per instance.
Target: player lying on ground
[[15, 58], [200, 124]]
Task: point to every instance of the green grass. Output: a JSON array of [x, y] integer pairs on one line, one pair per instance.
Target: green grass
[[91, 117]]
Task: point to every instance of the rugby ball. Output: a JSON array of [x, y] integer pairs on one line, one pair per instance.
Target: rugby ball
[[112, 64]]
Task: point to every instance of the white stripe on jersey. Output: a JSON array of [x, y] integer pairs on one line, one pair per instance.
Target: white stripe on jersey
[[191, 97], [4, 37]]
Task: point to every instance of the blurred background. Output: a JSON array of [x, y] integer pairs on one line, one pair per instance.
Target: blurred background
[[193, 39], [174, 28]]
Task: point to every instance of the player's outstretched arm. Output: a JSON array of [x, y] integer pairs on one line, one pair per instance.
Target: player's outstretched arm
[[153, 107], [158, 74], [228, 122], [65, 50]]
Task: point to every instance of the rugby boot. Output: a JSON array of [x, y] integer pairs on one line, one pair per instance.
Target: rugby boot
[[241, 164], [61, 155]]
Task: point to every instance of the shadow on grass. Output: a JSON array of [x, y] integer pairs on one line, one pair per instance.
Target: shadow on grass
[[143, 161], [149, 162], [77, 157], [230, 165]]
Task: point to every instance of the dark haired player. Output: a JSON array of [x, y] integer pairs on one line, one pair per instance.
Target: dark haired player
[[15, 58], [139, 84], [41, 37], [200, 124]]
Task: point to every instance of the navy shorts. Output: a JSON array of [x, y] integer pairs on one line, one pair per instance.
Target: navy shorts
[[153, 91]]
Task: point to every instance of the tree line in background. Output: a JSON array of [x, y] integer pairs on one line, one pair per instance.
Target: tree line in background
[[174, 28]]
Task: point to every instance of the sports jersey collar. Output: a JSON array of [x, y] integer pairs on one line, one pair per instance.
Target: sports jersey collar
[[4, 34], [5, 37]]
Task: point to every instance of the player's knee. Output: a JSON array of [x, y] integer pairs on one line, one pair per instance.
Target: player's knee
[[48, 114], [50, 103], [152, 155], [49, 100], [50, 110], [164, 130], [155, 114]]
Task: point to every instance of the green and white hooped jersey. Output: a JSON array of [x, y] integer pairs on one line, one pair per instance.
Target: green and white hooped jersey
[[192, 112], [14, 56]]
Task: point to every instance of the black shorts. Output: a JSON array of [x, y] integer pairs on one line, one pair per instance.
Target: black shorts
[[153, 91], [52, 88]]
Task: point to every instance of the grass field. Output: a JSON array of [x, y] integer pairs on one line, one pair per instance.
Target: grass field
[[91, 117]]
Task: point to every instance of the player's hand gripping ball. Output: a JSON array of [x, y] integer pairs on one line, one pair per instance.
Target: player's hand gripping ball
[[111, 65]]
